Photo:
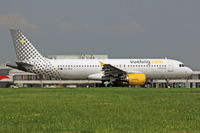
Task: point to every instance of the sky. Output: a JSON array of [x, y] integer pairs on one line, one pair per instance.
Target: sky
[[119, 28]]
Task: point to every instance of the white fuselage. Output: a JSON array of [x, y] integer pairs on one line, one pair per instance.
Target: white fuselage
[[92, 69], [113, 70]]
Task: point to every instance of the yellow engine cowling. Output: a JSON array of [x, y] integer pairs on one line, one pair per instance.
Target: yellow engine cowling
[[136, 79]]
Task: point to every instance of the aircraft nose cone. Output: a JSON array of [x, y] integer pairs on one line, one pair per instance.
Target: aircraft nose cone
[[189, 71]]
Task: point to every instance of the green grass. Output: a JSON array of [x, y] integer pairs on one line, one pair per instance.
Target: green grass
[[99, 110]]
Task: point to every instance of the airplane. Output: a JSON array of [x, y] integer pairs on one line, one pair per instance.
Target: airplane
[[113, 71]]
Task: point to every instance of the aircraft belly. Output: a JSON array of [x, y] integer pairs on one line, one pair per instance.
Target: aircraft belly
[[76, 74]]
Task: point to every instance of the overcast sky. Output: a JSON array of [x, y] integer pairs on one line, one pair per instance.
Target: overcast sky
[[119, 28]]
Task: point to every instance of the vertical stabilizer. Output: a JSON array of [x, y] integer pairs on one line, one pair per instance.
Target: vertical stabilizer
[[24, 49], [29, 57]]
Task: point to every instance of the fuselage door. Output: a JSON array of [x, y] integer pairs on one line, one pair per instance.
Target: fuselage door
[[170, 68]]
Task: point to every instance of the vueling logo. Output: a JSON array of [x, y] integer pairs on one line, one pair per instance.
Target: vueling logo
[[140, 61], [156, 61], [147, 62]]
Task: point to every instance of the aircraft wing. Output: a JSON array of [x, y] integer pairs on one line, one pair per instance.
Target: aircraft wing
[[111, 71]]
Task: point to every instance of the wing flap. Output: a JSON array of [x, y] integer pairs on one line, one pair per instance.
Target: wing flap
[[111, 71]]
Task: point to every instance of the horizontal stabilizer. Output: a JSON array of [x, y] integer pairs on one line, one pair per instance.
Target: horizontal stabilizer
[[21, 63], [15, 66]]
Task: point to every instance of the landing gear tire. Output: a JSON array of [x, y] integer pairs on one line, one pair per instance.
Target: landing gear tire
[[110, 85], [102, 85]]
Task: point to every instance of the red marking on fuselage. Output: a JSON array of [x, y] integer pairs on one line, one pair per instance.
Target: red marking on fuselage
[[4, 77]]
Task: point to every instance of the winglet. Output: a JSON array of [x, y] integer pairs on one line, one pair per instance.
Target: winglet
[[101, 63]]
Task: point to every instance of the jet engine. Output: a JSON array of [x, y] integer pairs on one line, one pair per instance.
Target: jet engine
[[136, 79]]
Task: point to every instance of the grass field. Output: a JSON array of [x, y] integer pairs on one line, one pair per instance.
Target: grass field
[[99, 110]]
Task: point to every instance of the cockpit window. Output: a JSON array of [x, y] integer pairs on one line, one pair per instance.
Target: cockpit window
[[181, 65]]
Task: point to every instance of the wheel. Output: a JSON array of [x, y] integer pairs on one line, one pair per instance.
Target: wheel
[[102, 85], [110, 85]]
